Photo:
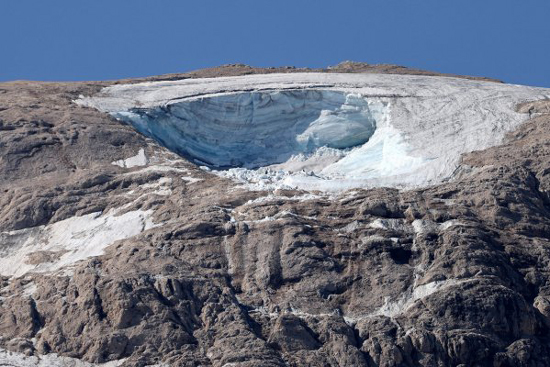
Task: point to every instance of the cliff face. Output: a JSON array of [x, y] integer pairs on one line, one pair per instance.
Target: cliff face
[[115, 249]]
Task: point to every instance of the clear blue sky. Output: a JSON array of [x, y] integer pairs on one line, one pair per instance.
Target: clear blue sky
[[111, 39]]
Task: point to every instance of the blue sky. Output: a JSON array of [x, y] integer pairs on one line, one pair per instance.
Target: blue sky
[[111, 39]]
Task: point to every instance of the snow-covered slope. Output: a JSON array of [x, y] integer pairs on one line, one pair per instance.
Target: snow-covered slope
[[319, 131], [62, 244]]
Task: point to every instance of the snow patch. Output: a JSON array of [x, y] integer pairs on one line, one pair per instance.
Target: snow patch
[[279, 216], [450, 223], [427, 226], [190, 179], [391, 224], [161, 187], [424, 226], [29, 289], [159, 168], [13, 359], [138, 160], [402, 304], [54, 246]]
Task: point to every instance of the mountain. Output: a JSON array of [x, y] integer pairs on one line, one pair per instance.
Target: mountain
[[359, 215]]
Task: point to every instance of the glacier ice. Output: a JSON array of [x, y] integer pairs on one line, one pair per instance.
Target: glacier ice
[[254, 129], [322, 131]]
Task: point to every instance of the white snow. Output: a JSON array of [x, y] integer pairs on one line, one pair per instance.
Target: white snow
[[29, 289], [278, 216], [13, 359], [273, 196], [68, 241], [190, 179], [406, 300], [450, 223], [391, 224], [390, 308], [159, 168], [428, 226], [138, 160], [162, 187], [323, 131], [424, 226]]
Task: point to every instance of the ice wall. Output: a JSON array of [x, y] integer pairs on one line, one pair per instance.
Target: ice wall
[[259, 128]]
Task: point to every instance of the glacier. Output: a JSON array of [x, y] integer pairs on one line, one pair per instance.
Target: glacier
[[324, 132], [254, 129]]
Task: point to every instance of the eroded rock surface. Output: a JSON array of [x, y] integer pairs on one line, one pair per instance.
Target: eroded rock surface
[[217, 275]]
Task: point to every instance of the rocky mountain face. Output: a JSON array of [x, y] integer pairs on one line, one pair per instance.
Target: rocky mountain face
[[116, 251]]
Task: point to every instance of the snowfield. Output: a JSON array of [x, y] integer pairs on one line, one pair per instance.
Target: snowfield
[[322, 131], [62, 244]]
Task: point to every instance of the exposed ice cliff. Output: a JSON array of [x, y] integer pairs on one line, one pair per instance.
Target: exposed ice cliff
[[254, 129], [327, 132]]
